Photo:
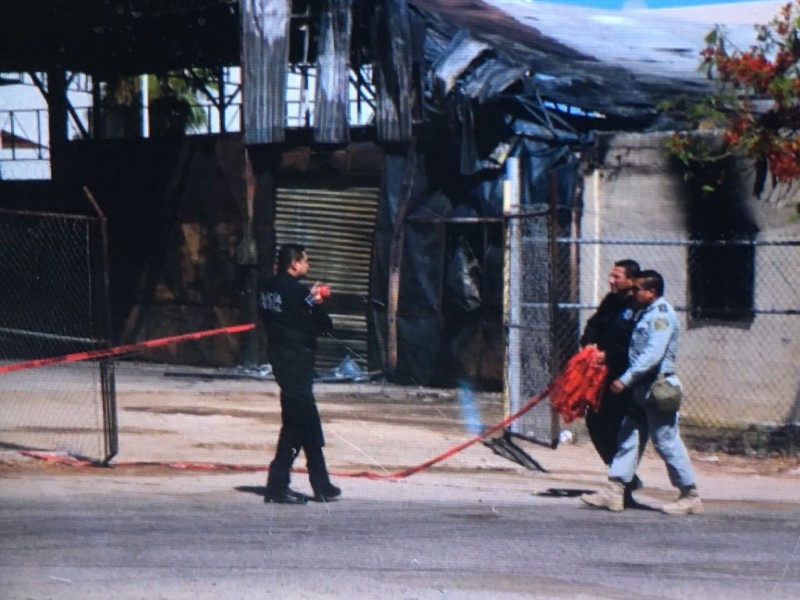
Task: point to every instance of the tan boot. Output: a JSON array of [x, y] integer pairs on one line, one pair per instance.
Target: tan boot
[[610, 498], [688, 503]]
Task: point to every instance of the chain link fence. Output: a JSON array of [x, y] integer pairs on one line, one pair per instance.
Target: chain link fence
[[54, 303], [738, 301]]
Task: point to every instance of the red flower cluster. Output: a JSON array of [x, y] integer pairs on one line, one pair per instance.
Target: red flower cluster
[[739, 128], [769, 70], [784, 159], [748, 69]]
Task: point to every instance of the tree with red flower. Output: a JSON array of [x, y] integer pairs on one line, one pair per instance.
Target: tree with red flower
[[757, 103]]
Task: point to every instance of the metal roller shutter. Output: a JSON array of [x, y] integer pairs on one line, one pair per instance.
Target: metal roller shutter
[[336, 226]]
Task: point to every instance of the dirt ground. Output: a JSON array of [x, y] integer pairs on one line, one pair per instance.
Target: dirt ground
[[174, 420], [179, 514]]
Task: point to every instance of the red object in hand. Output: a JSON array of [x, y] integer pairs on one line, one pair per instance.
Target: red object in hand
[[579, 386], [324, 291]]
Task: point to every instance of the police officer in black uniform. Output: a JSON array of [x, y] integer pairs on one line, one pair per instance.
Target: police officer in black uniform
[[294, 317], [610, 328]]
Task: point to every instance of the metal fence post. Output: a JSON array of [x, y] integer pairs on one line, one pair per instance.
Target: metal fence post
[[512, 282]]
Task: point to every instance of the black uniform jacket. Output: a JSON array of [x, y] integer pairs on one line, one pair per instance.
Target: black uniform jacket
[[610, 327], [290, 316]]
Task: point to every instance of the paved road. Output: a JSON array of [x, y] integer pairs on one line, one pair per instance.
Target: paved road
[[442, 536], [475, 526]]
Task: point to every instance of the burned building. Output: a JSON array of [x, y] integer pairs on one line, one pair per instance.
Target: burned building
[[376, 133]]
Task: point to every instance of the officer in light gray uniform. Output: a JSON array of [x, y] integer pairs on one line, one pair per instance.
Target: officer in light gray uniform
[[653, 347]]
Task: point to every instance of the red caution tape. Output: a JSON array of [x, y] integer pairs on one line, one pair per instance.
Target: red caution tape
[[80, 462], [119, 350], [575, 389], [74, 461], [458, 448]]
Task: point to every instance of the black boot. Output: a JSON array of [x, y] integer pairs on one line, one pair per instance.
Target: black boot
[[287, 496], [278, 490], [327, 494], [324, 490]]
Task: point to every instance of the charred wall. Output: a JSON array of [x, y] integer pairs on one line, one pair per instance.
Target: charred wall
[[177, 211], [175, 215]]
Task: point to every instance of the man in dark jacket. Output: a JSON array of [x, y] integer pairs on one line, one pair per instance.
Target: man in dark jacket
[[610, 328], [652, 354], [294, 317]]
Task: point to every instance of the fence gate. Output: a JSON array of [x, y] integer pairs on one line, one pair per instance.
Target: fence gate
[[55, 302], [541, 335]]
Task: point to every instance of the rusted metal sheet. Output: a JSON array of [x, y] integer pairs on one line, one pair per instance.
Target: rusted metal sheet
[[456, 58], [265, 55], [333, 62], [393, 76], [620, 63]]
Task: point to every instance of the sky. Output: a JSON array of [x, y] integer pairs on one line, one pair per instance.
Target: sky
[[620, 4]]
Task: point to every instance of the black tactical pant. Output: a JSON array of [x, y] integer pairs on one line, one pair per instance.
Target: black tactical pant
[[604, 424], [301, 427]]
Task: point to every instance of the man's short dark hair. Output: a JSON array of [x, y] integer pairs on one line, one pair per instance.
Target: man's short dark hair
[[631, 267], [651, 280], [288, 254]]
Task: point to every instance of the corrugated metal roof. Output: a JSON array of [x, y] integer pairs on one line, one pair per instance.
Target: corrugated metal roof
[[653, 45], [622, 63], [618, 62]]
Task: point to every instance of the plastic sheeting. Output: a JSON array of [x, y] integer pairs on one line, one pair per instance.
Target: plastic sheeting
[[448, 325]]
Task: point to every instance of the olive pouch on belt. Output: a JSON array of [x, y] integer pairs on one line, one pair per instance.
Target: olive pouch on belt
[[664, 394]]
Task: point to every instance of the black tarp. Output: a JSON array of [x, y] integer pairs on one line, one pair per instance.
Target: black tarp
[[449, 316]]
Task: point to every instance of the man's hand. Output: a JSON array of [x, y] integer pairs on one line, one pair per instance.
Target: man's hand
[[319, 292], [616, 387]]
